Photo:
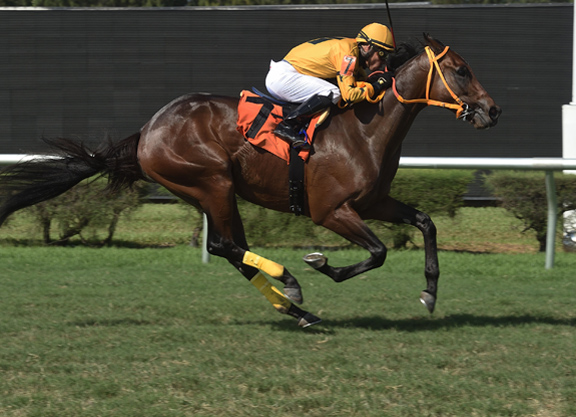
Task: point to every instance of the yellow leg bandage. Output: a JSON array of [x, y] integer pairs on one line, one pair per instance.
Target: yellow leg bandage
[[271, 268], [272, 294]]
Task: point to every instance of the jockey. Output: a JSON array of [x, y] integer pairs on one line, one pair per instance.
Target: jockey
[[301, 77]]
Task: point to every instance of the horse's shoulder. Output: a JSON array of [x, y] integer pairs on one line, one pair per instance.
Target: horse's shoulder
[[360, 114]]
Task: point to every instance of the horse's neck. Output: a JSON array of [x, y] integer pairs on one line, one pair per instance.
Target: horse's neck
[[397, 118], [412, 77]]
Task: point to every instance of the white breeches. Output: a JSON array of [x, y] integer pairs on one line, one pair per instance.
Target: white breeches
[[287, 84]]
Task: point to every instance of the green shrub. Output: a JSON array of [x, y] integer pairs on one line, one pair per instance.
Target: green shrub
[[88, 211], [435, 192], [523, 193], [266, 227]]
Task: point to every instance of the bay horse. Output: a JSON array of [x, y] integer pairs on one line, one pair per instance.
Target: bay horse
[[192, 148]]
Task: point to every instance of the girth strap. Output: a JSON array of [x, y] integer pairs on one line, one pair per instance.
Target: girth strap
[[296, 182]]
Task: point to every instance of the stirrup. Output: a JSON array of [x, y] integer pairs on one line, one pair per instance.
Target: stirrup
[[288, 134]]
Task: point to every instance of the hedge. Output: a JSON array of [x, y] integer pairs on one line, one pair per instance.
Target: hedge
[[436, 192], [523, 193], [89, 212]]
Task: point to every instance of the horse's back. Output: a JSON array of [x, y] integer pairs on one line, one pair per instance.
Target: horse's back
[[190, 123], [182, 140], [193, 141], [189, 110]]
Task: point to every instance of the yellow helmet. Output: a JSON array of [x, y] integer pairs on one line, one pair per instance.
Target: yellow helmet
[[378, 35]]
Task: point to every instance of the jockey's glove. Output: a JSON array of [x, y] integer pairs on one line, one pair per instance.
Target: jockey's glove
[[380, 81], [383, 82]]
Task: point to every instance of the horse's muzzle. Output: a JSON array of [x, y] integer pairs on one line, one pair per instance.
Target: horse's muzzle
[[485, 119], [494, 113]]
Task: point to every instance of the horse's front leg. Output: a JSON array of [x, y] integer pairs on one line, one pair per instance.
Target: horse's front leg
[[348, 224], [394, 211]]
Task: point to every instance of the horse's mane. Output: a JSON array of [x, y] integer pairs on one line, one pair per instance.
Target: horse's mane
[[403, 53], [406, 51]]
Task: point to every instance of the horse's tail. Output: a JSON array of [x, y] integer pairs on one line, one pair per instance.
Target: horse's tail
[[31, 182]]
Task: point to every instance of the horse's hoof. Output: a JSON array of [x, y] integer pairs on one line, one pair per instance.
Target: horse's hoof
[[293, 294], [428, 300], [308, 320], [316, 260]]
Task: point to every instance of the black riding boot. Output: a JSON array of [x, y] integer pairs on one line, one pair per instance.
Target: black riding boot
[[289, 129]]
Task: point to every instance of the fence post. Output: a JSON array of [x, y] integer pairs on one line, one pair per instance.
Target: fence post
[[205, 254], [552, 219]]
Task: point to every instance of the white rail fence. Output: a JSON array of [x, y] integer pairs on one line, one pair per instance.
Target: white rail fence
[[548, 165]]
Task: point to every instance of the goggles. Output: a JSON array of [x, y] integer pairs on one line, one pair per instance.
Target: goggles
[[381, 52]]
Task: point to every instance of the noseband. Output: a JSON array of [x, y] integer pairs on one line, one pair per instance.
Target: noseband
[[462, 109]]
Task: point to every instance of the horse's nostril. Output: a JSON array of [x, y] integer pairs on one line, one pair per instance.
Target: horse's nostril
[[494, 112]]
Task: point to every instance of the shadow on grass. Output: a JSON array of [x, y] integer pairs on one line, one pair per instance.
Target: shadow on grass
[[372, 323], [109, 322], [425, 324]]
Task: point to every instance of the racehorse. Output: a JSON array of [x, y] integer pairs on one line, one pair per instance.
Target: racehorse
[[192, 148]]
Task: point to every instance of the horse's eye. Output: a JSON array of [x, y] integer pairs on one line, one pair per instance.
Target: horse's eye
[[463, 71]]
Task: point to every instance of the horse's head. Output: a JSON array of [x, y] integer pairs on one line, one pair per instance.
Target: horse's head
[[452, 81]]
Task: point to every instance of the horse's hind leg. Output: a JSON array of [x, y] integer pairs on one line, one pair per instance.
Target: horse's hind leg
[[212, 190], [251, 265], [226, 239]]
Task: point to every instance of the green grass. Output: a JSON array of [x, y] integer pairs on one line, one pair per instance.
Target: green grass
[[154, 332], [147, 329]]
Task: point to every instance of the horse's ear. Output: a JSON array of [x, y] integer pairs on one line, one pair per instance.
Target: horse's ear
[[435, 44]]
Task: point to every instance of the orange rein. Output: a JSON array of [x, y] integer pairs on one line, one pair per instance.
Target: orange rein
[[459, 106]]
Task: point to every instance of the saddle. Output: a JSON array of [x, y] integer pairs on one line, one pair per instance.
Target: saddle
[[258, 116]]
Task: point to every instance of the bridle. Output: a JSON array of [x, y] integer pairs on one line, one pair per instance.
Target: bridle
[[462, 109]]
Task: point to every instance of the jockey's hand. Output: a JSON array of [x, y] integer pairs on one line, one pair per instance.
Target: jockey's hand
[[375, 75], [380, 81]]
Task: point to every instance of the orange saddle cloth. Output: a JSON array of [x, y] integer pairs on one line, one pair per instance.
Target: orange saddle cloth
[[257, 119]]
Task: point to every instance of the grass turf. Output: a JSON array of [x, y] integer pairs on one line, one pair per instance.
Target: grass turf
[[155, 332]]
